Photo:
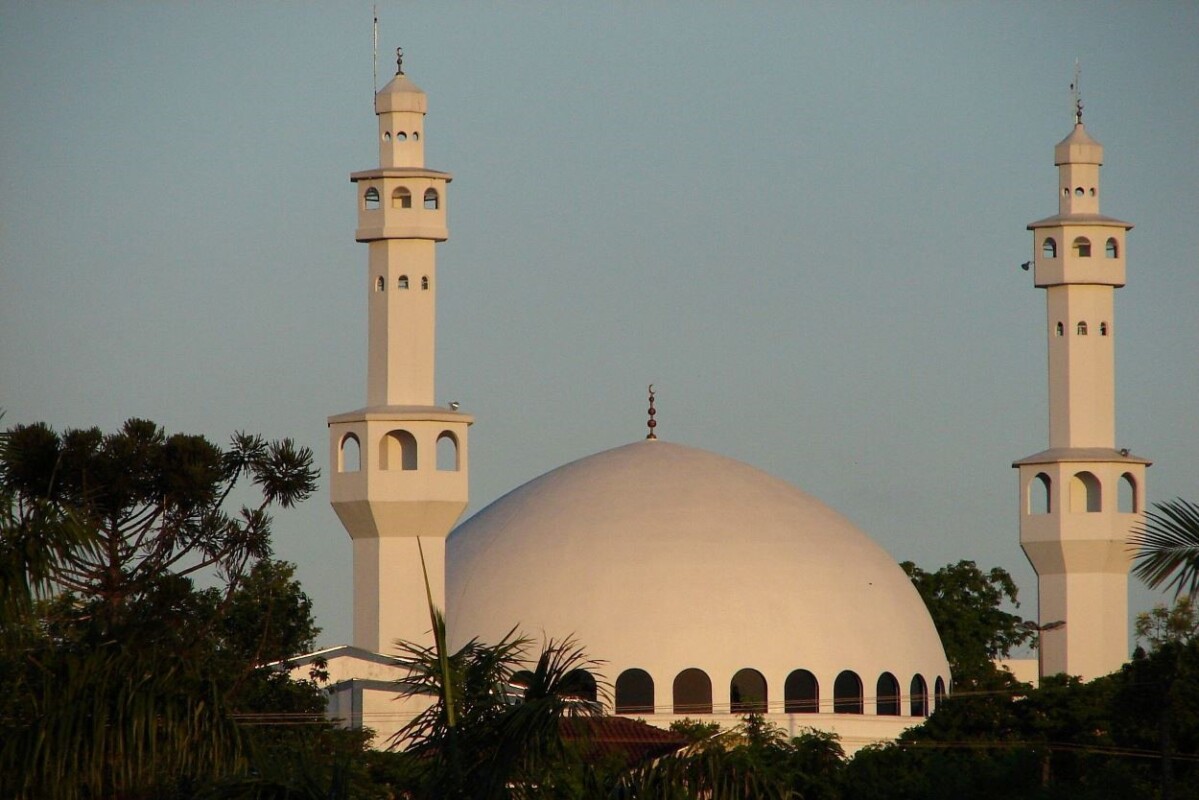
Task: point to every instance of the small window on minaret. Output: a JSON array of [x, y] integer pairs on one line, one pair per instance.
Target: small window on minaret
[[380, 284], [1128, 494], [1061, 329], [1092, 191], [370, 199], [1040, 494], [387, 136], [1113, 249], [403, 282], [416, 136], [1049, 248], [431, 199], [1078, 192], [401, 197], [424, 282], [350, 454], [447, 452], [1082, 247], [1103, 329], [1081, 330], [401, 136]]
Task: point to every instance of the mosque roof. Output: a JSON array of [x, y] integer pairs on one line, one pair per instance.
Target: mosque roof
[[662, 557]]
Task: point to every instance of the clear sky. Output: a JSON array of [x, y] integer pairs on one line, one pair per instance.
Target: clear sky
[[802, 222]]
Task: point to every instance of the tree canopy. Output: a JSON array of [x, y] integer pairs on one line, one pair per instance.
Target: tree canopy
[[966, 605]]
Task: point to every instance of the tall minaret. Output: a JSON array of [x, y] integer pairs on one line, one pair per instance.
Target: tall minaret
[[399, 466], [1079, 498]]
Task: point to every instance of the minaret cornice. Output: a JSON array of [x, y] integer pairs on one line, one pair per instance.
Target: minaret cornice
[[399, 172]]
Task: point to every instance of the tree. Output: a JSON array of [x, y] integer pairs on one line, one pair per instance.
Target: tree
[[966, 606], [1167, 542], [121, 679], [494, 728]]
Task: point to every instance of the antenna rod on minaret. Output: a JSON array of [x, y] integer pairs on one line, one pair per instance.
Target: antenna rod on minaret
[[375, 56], [1076, 93]]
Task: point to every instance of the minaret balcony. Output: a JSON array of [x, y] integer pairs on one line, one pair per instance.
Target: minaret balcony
[[401, 203], [1074, 251]]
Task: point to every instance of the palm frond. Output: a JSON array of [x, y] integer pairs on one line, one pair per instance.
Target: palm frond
[[1167, 541]]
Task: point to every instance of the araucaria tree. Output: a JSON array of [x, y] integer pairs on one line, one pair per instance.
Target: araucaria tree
[[119, 675]]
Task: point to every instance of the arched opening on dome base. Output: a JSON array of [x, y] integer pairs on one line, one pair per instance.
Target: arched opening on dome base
[[1040, 497], [447, 452], [1086, 495], [801, 693], [518, 686], [747, 692], [634, 692], [349, 454], [938, 692], [692, 692], [886, 696], [847, 693], [401, 197], [578, 684], [919, 696], [398, 451]]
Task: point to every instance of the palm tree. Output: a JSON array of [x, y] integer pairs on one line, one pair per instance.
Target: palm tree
[[494, 727], [1167, 540]]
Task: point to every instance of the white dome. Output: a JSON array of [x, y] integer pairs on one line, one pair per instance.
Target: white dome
[[663, 557]]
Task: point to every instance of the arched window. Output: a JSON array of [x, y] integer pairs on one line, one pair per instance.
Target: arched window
[[919, 695], [402, 282], [401, 197], [424, 282], [380, 284], [801, 693], [1061, 329], [578, 684], [518, 685], [1078, 192], [349, 454], [416, 136], [692, 692], [387, 136], [431, 200], [1085, 493], [1113, 249], [847, 693], [747, 692], [886, 696], [1040, 494], [447, 452], [1049, 248], [1081, 328], [370, 199], [401, 136], [939, 691], [398, 451], [1082, 246], [634, 692], [1103, 329], [1128, 494]]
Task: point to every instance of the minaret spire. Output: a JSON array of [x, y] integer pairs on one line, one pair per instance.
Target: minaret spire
[[1076, 93], [1080, 498]]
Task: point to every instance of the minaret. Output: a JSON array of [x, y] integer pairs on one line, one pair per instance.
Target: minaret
[[399, 466], [1080, 498]]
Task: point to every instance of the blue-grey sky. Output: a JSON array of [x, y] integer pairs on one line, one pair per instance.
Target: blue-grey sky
[[802, 222]]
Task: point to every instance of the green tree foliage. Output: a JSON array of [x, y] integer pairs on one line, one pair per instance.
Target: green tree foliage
[[1167, 542], [966, 605], [1163, 625], [495, 727], [122, 680]]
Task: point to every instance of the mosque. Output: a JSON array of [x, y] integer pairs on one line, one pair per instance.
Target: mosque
[[708, 588]]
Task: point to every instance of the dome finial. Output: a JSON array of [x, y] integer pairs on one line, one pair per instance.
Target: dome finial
[[399, 61], [652, 423], [1076, 93]]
